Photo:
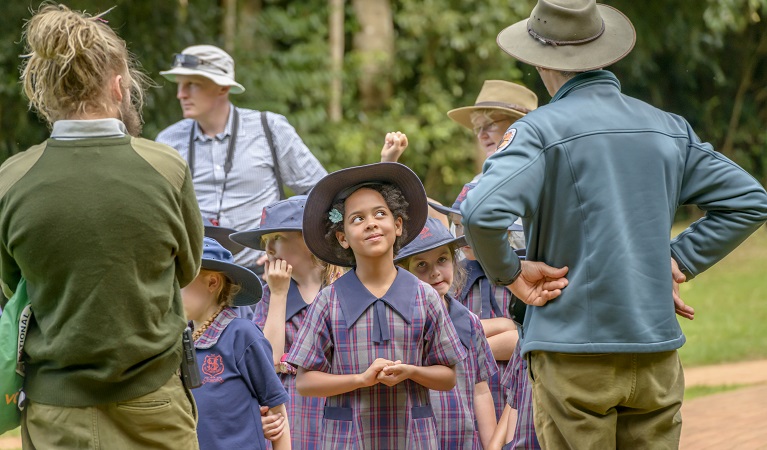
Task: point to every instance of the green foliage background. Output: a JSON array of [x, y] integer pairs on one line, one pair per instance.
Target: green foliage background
[[702, 59]]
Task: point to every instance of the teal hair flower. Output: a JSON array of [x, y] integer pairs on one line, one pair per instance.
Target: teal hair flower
[[335, 215]]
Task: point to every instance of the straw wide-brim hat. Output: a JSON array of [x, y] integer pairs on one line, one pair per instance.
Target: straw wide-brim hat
[[332, 186], [570, 35], [510, 98], [218, 67]]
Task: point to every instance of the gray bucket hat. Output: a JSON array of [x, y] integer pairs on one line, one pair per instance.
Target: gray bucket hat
[[570, 35], [207, 61]]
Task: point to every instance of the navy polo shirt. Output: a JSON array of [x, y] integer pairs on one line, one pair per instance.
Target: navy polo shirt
[[238, 377]]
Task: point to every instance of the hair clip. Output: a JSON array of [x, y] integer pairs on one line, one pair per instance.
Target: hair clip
[[335, 215]]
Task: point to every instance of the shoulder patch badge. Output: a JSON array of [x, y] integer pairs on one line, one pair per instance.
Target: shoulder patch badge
[[507, 138]]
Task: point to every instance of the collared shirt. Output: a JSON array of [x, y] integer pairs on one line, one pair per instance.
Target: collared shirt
[[81, 129], [378, 416], [304, 413], [251, 184], [235, 362], [454, 409]]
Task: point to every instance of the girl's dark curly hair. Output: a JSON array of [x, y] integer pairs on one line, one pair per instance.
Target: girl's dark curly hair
[[394, 200]]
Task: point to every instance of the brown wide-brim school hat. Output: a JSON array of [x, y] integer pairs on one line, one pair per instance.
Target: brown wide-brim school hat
[[570, 35], [334, 185], [510, 98]]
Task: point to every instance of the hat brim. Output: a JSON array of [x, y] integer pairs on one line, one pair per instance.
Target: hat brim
[[251, 290], [459, 241], [236, 88], [446, 210], [462, 116], [615, 43], [322, 195], [221, 234], [252, 238]]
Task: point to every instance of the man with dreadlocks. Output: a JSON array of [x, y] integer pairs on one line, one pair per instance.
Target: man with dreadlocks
[[105, 228]]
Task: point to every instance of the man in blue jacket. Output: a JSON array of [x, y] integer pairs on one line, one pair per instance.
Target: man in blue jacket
[[597, 177]]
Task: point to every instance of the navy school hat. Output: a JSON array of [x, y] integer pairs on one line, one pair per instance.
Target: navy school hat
[[285, 215], [336, 184], [433, 235], [216, 257], [221, 235], [456, 208]]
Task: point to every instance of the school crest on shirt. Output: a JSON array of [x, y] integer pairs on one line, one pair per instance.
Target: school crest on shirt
[[507, 138], [212, 367]]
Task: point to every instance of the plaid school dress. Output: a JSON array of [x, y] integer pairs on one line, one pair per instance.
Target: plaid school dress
[[304, 413], [346, 329], [454, 409], [487, 301], [520, 397]]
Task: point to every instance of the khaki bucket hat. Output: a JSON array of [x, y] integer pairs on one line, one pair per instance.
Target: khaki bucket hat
[[207, 61], [570, 35], [511, 98]]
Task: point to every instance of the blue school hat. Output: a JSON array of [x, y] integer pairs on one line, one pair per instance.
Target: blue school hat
[[456, 208], [221, 235], [216, 257], [285, 215], [342, 183], [433, 235]]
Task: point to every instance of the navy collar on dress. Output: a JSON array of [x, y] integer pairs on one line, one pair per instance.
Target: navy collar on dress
[[459, 315], [295, 303], [590, 77], [355, 298], [473, 273]]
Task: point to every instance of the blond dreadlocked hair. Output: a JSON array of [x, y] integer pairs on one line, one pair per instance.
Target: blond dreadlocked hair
[[71, 57]]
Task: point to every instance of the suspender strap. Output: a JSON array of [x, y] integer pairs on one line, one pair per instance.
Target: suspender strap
[[275, 162]]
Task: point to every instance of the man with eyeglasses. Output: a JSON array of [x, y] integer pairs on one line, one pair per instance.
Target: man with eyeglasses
[[239, 158]]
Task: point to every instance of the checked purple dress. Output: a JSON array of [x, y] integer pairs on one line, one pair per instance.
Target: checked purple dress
[[304, 413], [454, 409], [346, 329], [487, 301]]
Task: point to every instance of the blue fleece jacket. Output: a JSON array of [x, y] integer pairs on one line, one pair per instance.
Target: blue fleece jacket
[[597, 177]]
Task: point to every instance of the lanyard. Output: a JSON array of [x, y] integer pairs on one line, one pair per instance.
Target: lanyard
[[227, 163]]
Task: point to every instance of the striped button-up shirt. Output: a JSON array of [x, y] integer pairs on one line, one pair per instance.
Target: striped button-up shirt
[[251, 183]]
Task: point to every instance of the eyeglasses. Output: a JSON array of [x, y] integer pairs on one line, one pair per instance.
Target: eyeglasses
[[488, 127], [192, 62]]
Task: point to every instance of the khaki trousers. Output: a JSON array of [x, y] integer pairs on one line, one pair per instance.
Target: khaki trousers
[[607, 401], [163, 419]]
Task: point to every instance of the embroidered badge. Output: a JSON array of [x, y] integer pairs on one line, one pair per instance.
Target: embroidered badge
[[263, 216], [425, 233], [507, 138], [212, 367]]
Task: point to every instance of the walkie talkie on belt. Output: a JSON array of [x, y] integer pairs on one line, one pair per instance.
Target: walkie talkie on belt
[[190, 373]]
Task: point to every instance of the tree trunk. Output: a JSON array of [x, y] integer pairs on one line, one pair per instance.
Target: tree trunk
[[336, 41], [375, 45], [229, 24], [247, 24]]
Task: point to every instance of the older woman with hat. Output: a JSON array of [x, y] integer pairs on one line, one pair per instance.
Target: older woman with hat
[[597, 176]]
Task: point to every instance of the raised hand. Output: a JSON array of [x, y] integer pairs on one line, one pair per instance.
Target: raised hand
[[395, 144]]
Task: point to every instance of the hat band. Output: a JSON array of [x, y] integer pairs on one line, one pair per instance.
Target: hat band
[[519, 108], [552, 42]]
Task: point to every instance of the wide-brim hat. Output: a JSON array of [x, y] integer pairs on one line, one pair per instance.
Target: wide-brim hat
[[455, 208], [216, 257], [221, 235], [433, 235], [216, 66], [327, 190], [510, 98], [570, 35], [285, 215]]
